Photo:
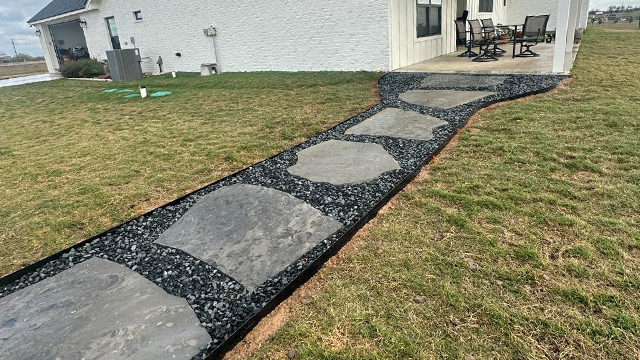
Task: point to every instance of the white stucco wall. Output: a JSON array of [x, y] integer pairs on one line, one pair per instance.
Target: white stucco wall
[[522, 8], [287, 35], [518, 10]]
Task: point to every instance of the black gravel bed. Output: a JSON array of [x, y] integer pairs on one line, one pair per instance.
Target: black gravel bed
[[225, 308]]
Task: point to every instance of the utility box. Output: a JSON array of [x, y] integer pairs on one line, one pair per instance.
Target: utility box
[[124, 64]]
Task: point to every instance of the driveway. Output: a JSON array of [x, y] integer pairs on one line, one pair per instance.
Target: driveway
[[28, 79]]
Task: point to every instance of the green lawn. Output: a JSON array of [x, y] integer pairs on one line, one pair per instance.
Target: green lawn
[[76, 161], [522, 241]]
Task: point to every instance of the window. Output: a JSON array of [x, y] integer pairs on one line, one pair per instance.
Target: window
[[429, 17], [486, 6], [137, 15], [113, 32]]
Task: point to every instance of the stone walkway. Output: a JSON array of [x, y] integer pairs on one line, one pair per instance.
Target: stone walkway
[[189, 278]]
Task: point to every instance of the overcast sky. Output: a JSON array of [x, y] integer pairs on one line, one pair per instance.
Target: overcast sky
[[14, 16], [13, 25]]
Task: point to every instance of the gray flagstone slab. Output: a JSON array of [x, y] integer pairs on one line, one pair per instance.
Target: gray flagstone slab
[[444, 99], [398, 123], [249, 232], [462, 81], [343, 162], [98, 309]]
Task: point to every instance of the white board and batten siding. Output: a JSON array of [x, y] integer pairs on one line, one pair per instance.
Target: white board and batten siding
[[499, 13], [406, 47]]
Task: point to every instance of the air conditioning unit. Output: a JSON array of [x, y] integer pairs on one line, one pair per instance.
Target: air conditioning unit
[[124, 64]]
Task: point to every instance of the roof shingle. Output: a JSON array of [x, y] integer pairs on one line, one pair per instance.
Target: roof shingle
[[58, 7]]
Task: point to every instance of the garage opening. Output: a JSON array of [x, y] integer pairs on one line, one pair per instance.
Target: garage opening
[[68, 41]]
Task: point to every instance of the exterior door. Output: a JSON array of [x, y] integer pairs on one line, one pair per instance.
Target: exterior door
[[113, 33]]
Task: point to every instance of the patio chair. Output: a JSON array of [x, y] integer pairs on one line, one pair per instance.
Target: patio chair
[[496, 35], [479, 39], [534, 31], [461, 36]]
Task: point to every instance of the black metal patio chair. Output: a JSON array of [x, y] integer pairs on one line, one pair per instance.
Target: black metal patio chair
[[495, 34], [479, 39], [461, 38], [534, 31]]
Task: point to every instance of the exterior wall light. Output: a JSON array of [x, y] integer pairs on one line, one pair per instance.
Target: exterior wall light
[[38, 32], [83, 24]]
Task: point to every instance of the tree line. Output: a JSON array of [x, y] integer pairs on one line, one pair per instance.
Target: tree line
[[620, 8]]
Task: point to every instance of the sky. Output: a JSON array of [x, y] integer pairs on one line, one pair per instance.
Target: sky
[[13, 25], [14, 16]]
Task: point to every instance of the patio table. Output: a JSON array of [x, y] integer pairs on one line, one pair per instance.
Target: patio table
[[514, 36]]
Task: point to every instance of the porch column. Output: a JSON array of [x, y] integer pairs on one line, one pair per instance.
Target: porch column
[[47, 48], [565, 32], [584, 14], [571, 33]]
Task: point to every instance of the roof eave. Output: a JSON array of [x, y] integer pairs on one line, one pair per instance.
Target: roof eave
[[53, 18]]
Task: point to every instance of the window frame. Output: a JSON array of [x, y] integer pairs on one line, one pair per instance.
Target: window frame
[[111, 37], [135, 15], [428, 7], [481, 8]]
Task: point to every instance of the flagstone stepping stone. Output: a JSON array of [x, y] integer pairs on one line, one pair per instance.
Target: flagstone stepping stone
[[445, 99], [398, 123], [98, 309], [249, 232], [343, 162], [462, 81], [161, 93]]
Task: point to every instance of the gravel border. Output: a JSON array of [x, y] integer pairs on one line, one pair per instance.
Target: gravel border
[[224, 307]]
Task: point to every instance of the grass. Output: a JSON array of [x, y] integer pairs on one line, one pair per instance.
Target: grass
[[22, 69], [76, 161], [522, 241]]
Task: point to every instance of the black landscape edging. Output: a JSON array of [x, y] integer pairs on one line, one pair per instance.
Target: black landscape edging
[[242, 310]]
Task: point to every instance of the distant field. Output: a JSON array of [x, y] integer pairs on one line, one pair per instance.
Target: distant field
[[618, 26], [22, 69]]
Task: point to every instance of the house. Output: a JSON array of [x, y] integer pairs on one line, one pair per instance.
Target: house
[[301, 35], [4, 58]]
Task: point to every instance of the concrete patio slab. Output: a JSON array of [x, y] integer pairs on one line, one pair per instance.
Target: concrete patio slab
[[462, 81], [398, 123], [444, 99], [98, 309], [343, 162], [249, 232]]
